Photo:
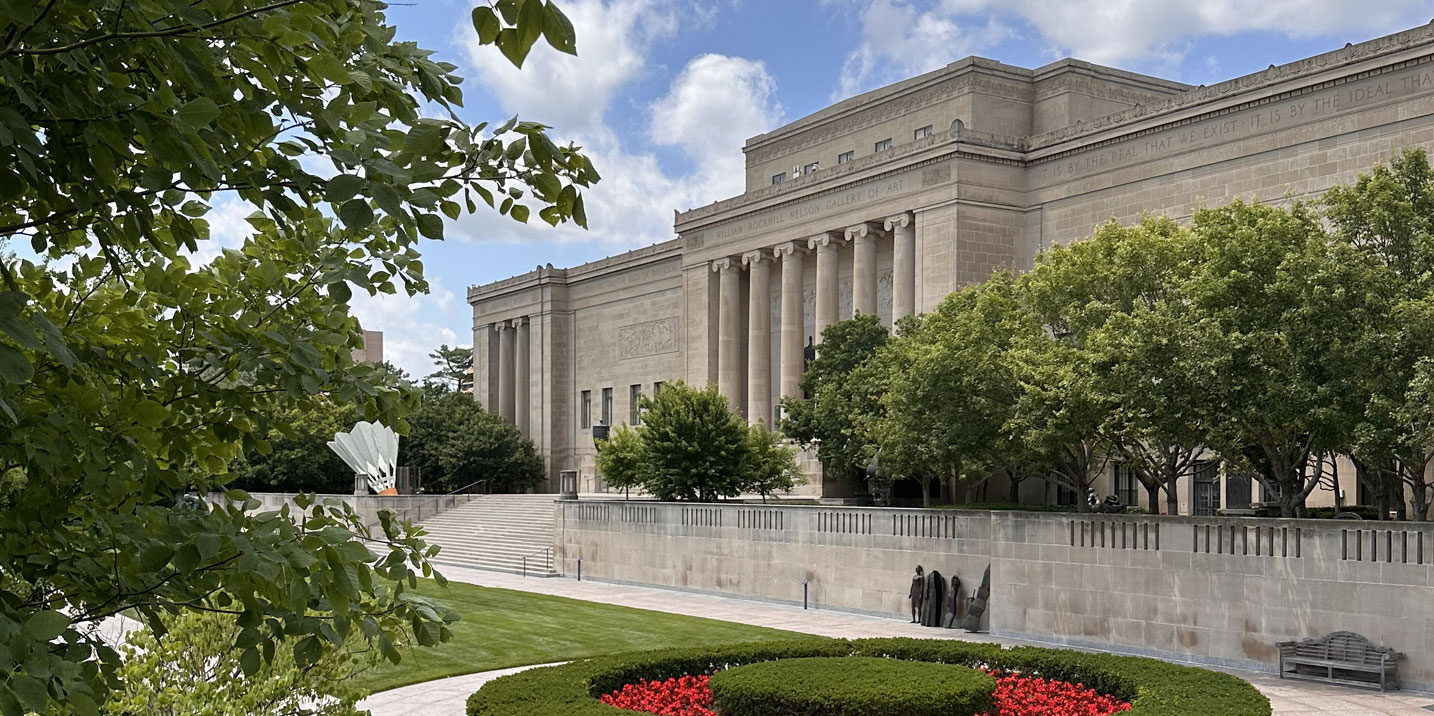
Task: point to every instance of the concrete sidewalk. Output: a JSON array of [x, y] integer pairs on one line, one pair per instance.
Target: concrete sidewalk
[[446, 697]]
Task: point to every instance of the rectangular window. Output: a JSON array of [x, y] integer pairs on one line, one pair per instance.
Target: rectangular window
[[922, 133], [814, 166], [607, 406], [634, 404], [779, 178], [1064, 496], [1205, 488], [845, 157], [657, 388], [1127, 486], [585, 410], [883, 145]]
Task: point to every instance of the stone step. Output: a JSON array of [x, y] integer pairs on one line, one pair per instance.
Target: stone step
[[496, 532]]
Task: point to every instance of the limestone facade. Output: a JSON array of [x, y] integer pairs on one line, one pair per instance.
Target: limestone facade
[[886, 202]]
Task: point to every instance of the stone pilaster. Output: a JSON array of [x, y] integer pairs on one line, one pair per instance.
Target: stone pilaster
[[793, 256], [522, 386], [505, 370], [759, 335], [863, 251], [826, 246], [903, 270], [729, 330]]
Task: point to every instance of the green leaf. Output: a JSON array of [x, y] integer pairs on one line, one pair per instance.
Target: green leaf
[[31, 692], [558, 31], [11, 322], [153, 559], [486, 24], [519, 212], [425, 139], [249, 661], [343, 187], [199, 112], [14, 366], [330, 68], [340, 292], [54, 340], [150, 414], [356, 214], [45, 625], [430, 225]]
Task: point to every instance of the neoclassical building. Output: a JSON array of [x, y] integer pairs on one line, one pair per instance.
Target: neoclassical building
[[886, 202]]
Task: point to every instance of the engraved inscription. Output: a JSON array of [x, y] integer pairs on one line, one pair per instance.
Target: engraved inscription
[[648, 339]]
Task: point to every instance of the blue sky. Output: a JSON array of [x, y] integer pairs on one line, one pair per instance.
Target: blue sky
[[664, 92]]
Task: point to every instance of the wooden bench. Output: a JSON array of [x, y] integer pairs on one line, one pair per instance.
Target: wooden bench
[[1342, 657]]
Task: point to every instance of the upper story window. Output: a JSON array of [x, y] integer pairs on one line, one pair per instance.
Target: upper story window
[[657, 388], [922, 133], [883, 145], [779, 178], [634, 404], [585, 412], [607, 406], [814, 166], [845, 157]]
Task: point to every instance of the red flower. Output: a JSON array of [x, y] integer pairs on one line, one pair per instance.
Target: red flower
[[1015, 695]]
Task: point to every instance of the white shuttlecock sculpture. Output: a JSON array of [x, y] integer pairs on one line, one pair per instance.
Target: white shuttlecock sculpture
[[371, 449]]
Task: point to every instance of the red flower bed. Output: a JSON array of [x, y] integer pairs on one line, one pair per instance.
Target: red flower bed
[[1015, 695], [687, 696]]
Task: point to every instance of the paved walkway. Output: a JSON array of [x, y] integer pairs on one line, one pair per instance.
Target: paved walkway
[[446, 697]]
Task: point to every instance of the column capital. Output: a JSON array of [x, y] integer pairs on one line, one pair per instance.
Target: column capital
[[726, 263], [866, 229], [519, 321], [502, 325], [898, 221], [789, 248], [758, 256], [825, 239]]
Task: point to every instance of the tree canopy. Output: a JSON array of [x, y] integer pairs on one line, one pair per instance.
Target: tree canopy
[[133, 375]]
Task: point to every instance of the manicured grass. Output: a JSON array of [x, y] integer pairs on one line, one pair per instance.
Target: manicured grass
[[502, 628]]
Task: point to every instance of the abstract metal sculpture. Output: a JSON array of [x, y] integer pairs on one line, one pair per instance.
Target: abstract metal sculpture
[[953, 599], [935, 596], [371, 449], [977, 606]]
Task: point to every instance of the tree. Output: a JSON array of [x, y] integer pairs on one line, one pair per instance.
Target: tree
[[1280, 313], [1388, 215], [453, 366], [195, 668], [455, 443], [299, 457], [842, 403], [694, 446], [770, 465], [130, 376], [619, 458]]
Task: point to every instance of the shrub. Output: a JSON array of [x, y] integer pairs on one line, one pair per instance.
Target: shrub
[[851, 686], [1153, 688]]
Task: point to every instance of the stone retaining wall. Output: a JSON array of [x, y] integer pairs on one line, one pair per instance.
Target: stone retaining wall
[[1217, 591]]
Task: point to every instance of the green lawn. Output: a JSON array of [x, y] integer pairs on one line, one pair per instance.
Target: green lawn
[[502, 628]]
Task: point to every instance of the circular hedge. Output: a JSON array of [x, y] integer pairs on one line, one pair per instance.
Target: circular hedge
[[851, 686], [1153, 688]]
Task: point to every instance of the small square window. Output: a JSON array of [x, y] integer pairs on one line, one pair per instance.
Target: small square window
[[634, 404], [779, 178], [657, 388], [845, 157], [607, 406], [883, 145], [814, 166], [922, 133], [585, 410]]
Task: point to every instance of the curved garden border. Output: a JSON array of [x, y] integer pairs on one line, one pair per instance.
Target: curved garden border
[[1153, 688]]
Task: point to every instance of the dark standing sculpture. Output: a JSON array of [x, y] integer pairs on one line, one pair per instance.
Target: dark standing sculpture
[[935, 597], [953, 598], [977, 605], [917, 591]]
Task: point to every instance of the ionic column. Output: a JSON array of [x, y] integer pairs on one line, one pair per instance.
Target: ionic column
[[826, 246], [729, 323], [793, 256], [863, 280], [903, 269], [505, 371], [521, 384], [759, 336]]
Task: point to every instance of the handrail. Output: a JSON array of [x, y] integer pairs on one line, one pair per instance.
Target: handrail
[[475, 482], [547, 559]]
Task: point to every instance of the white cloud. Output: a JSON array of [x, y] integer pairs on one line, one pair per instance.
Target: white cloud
[[228, 228], [710, 108], [901, 38], [407, 337]]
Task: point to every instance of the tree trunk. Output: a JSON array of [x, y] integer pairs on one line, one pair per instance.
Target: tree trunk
[[1152, 497], [1172, 494], [925, 492]]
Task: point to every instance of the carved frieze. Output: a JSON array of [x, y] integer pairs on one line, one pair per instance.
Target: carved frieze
[[936, 174], [883, 296], [648, 339], [809, 309], [844, 300]]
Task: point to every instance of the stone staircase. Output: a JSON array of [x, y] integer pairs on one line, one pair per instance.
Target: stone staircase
[[496, 532]]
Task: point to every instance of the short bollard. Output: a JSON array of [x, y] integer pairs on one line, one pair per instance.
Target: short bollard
[[804, 593], [580, 569]]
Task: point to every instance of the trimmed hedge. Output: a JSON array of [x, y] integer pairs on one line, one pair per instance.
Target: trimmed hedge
[[1153, 688], [851, 686]]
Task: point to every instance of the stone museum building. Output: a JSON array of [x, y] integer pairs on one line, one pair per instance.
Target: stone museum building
[[886, 202]]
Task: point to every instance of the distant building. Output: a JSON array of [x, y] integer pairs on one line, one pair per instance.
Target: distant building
[[372, 351], [466, 384]]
